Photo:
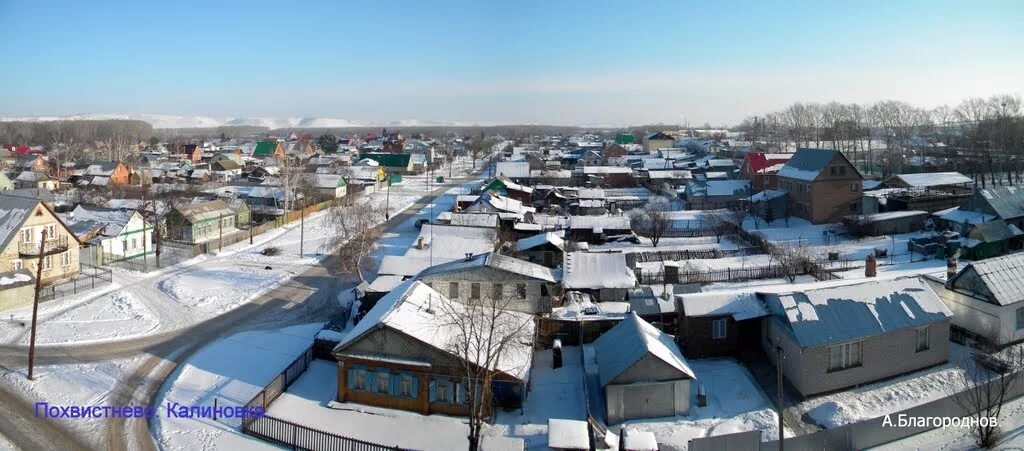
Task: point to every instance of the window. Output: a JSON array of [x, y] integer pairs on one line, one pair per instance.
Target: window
[[383, 382], [837, 170], [1020, 318], [360, 383], [718, 329], [854, 187], [65, 258], [497, 290], [444, 391], [521, 290], [26, 235], [853, 207], [51, 233], [922, 339], [16, 265], [135, 243], [405, 387], [47, 262], [847, 355], [453, 290], [474, 290]]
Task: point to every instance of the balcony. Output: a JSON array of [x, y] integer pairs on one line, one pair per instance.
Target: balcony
[[50, 247]]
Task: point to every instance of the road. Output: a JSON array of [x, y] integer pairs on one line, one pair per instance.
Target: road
[[307, 297]]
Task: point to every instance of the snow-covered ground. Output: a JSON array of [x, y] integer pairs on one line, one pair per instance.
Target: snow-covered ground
[[232, 371], [309, 402], [735, 404], [1011, 423], [670, 244], [554, 393], [713, 264]]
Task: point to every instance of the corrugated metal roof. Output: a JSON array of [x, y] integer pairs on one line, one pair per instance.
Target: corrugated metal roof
[[1004, 277], [1007, 201], [806, 164]]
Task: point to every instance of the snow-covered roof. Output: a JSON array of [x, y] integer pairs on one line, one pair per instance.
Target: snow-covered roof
[[1003, 276], [568, 434], [418, 311], [495, 261], [607, 170], [599, 222], [740, 306], [889, 215], [452, 242], [12, 279], [766, 195], [494, 202], [838, 314], [719, 188], [806, 164], [539, 240], [14, 210], [584, 270], [637, 440], [670, 174], [112, 220], [930, 179], [518, 169], [631, 340], [385, 283], [474, 219], [957, 215]]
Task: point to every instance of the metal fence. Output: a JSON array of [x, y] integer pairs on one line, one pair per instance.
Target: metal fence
[[292, 435], [717, 275], [88, 278]]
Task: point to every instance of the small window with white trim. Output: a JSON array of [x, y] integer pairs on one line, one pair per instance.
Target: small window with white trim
[[719, 328]]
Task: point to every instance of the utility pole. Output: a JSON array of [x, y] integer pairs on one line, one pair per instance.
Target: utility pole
[[387, 198], [220, 232], [302, 225], [35, 303], [778, 370]]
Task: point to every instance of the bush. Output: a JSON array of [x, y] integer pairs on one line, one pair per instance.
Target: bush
[[271, 251]]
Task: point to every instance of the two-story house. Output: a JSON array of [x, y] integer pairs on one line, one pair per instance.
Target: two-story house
[[22, 223], [822, 185]]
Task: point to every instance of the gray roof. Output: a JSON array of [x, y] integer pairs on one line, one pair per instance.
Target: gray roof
[[806, 164], [1003, 276], [1007, 201], [14, 211], [850, 312], [42, 194], [496, 261], [631, 340], [992, 231]]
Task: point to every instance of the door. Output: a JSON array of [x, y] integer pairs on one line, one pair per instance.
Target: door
[[648, 401]]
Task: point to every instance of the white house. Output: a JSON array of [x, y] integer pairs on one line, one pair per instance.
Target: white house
[[120, 234], [987, 298]]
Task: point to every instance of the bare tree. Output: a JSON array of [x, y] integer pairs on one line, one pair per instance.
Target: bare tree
[[652, 220], [488, 336], [794, 259], [982, 386], [354, 237], [717, 221]]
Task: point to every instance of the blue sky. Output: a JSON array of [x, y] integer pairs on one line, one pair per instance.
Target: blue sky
[[564, 62]]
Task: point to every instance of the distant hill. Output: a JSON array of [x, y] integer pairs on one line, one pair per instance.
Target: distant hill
[[173, 122]]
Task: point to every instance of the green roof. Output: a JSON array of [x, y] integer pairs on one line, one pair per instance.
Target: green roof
[[390, 160], [265, 149], [625, 138]]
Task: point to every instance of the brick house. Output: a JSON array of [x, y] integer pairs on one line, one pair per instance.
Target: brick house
[[718, 324], [822, 185], [399, 356], [838, 337]]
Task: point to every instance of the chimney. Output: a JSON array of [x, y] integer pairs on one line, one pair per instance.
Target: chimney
[[469, 256], [951, 267], [870, 266], [419, 243]]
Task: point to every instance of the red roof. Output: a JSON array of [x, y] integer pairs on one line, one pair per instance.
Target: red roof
[[24, 149], [759, 160]]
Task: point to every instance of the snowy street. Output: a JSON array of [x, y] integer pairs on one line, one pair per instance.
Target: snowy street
[[136, 331]]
